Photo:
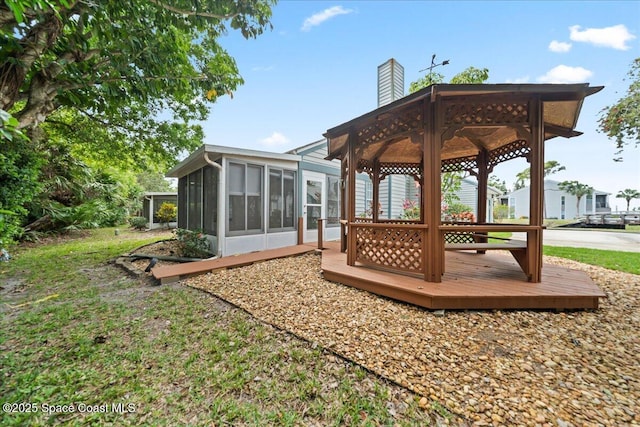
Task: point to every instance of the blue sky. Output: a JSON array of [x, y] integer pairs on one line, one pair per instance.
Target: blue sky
[[317, 68]]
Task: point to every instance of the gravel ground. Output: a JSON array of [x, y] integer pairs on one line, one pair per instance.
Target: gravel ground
[[489, 367]]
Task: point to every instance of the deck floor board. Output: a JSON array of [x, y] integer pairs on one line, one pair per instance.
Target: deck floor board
[[472, 281]]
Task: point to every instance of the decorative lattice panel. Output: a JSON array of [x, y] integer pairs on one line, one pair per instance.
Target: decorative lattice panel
[[460, 164], [458, 237], [400, 122], [365, 166], [394, 248], [486, 113], [413, 169], [510, 151]]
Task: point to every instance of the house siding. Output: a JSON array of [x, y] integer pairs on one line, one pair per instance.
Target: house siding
[[519, 202]]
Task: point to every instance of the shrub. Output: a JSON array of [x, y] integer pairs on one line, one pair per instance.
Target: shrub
[[138, 222], [459, 212], [193, 244], [167, 213]]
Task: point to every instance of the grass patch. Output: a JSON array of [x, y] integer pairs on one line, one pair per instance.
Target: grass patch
[[628, 262], [136, 354]]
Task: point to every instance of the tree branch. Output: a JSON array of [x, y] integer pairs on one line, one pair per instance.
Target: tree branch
[[192, 13]]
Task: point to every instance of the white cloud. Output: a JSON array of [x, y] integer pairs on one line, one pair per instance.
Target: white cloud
[[566, 74], [275, 140], [318, 18], [559, 47], [524, 79], [615, 37]]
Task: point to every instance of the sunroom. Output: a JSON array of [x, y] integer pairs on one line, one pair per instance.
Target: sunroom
[[243, 200]]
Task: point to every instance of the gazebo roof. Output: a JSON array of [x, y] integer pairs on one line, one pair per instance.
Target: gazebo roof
[[470, 117]]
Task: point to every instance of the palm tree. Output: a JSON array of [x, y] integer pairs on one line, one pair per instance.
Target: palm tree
[[628, 195], [577, 189]]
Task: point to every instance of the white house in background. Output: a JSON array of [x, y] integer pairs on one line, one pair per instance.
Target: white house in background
[[558, 204]]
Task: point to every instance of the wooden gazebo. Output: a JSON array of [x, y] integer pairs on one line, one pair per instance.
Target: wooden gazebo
[[445, 128]]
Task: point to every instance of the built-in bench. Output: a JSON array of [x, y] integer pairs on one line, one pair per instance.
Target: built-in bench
[[507, 245]]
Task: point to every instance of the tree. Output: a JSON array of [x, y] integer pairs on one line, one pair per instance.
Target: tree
[[628, 195], [550, 167], [495, 182], [121, 64], [154, 181], [577, 189], [621, 121], [469, 75]]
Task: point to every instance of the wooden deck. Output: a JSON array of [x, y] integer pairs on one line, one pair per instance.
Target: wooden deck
[[173, 273], [472, 281]]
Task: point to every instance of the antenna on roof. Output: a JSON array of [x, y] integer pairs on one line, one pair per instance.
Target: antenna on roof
[[434, 65]]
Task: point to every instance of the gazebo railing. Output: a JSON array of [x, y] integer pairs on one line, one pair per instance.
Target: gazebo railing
[[401, 245], [390, 245]]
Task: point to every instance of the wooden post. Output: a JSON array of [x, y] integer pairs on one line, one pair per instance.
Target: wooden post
[[376, 191], [320, 230], [536, 196], [433, 252], [300, 230], [343, 203], [351, 192], [483, 182]]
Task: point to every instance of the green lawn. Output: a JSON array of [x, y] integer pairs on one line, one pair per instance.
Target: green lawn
[[79, 332], [615, 260]]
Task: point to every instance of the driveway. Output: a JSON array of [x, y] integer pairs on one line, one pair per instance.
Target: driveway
[[595, 239]]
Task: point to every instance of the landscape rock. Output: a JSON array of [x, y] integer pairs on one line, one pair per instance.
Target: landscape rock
[[486, 367]]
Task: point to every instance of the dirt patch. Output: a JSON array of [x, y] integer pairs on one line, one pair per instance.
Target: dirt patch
[[137, 266]]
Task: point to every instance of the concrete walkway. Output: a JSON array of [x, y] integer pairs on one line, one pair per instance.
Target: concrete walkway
[[595, 239]]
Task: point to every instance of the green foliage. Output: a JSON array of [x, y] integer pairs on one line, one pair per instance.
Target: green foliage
[[9, 127], [193, 244], [495, 182], [426, 81], [167, 212], [19, 184], [459, 212], [468, 76], [138, 222], [153, 181], [471, 75], [550, 167], [628, 194], [117, 66], [95, 213], [621, 121], [450, 184], [410, 210], [501, 212]]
